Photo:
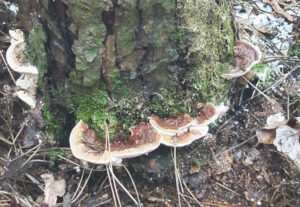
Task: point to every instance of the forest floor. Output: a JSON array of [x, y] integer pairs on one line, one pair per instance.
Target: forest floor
[[230, 167]]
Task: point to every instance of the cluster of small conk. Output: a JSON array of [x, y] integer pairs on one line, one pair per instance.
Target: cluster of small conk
[[27, 82], [147, 136]]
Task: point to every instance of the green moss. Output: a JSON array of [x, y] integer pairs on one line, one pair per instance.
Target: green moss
[[35, 49], [36, 53], [91, 107], [142, 76], [263, 71], [208, 43], [165, 103], [294, 48], [54, 125], [54, 155]]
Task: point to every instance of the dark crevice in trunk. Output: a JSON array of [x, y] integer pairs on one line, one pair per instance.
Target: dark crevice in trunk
[[60, 59], [115, 5], [108, 18], [60, 42], [139, 36]]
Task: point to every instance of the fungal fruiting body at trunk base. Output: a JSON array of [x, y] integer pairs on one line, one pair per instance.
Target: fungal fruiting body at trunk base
[[145, 137], [27, 82]]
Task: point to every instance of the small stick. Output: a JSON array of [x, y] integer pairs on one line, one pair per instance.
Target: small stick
[[254, 92], [85, 183], [123, 187], [176, 177], [288, 106], [190, 192], [30, 157], [223, 186], [74, 163], [232, 148], [134, 186], [208, 203], [79, 184], [102, 203], [41, 187], [24, 201], [111, 186], [109, 169], [19, 132], [9, 129], [5, 140], [11, 135], [8, 69], [276, 83], [26, 152], [262, 93]]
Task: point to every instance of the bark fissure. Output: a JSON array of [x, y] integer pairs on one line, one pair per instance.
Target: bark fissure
[[108, 18], [140, 32], [133, 52]]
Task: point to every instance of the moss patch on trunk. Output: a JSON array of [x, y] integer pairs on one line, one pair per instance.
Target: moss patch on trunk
[[133, 58], [206, 38]]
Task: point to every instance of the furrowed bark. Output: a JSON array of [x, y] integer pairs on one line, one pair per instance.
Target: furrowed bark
[[119, 61]]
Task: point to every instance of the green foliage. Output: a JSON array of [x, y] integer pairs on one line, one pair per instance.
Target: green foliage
[[294, 49], [54, 124], [92, 108], [263, 71], [36, 53], [169, 103], [205, 36], [35, 49], [209, 42], [53, 155]]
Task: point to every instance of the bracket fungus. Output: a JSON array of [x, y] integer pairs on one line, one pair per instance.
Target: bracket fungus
[[246, 55], [27, 82], [86, 146], [145, 137]]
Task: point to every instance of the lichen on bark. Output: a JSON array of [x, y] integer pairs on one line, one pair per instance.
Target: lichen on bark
[[119, 61], [89, 31]]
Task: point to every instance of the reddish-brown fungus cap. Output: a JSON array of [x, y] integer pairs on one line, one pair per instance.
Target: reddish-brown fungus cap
[[246, 55], [171, 126], [85, 145], [80, 136], [185, 129], [145, 137], [185, 138]]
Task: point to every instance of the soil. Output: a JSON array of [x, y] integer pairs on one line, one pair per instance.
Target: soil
[[227, 168]]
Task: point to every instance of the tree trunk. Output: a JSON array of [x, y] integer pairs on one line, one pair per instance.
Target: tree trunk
[[120, 61]]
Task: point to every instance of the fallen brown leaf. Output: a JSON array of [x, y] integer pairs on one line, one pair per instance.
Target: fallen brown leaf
[[194, 169], [265, 136]]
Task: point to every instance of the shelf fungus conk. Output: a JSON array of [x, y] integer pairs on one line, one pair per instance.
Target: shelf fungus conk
[[145, 137], [27, 82], [246, 55]]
